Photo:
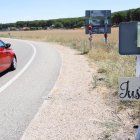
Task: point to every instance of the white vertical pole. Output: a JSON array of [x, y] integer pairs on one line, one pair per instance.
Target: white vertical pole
[[138, 75], [138, 66]]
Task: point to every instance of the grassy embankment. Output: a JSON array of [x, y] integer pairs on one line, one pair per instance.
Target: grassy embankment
[[110, 63]]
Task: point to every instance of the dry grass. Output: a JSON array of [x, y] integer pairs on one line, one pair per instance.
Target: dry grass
[[106, 56], [111, 66]]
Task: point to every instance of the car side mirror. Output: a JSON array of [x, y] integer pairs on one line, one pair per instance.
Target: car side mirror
[[7, 45]]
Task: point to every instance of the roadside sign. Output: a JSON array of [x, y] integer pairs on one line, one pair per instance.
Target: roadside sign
[[100, 20], [129, 38], [129, 44], [129, 89]]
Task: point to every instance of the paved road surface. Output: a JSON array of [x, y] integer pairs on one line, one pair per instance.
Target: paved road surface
[[22, 91]]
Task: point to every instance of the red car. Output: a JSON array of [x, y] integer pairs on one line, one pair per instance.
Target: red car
[[8, 58]]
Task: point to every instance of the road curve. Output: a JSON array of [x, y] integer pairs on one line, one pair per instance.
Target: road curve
[[38, 68]]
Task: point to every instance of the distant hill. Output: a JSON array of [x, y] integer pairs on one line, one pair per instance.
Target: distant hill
[[70, 23]]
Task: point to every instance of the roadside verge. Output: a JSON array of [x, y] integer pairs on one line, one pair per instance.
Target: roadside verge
[[74, 110]]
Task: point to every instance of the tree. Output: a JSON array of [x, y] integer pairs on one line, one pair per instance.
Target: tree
[[128, 15], [50, 23], [58, 25], [117, 18], [135, 14]]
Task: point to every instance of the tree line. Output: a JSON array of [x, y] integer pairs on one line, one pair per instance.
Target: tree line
[[70, 23], [125, 16], [67, 23]]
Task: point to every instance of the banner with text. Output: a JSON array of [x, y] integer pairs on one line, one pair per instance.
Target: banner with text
[[129, 89]]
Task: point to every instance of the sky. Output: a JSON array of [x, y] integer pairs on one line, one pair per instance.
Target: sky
[[28, 10]]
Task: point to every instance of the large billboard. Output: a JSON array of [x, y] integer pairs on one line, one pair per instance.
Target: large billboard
[[100, 20]]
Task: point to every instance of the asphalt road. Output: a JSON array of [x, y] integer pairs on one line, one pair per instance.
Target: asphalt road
[[22, 91]]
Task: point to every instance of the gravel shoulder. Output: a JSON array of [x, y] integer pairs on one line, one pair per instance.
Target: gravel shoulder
[[74, 110]]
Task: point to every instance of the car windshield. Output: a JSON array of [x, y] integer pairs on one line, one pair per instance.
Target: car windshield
[[2, 44]]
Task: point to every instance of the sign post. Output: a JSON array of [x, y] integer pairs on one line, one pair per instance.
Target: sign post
[[138, 75], [90, 41], [90, 35], [106, 25], [98, 22], [129, 44], [105, 36], [129, 90]]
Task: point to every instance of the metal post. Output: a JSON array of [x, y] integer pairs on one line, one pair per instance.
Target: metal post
[[106, 26], [105, 36], [138, 75], [105, 22], [90, 41]]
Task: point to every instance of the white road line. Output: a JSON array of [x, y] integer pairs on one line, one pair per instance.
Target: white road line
[[21, 72]]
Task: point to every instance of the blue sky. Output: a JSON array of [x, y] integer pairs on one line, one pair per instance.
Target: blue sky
[[22, 10]]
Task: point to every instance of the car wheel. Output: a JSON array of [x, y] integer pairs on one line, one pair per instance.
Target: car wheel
[[14, 63]]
